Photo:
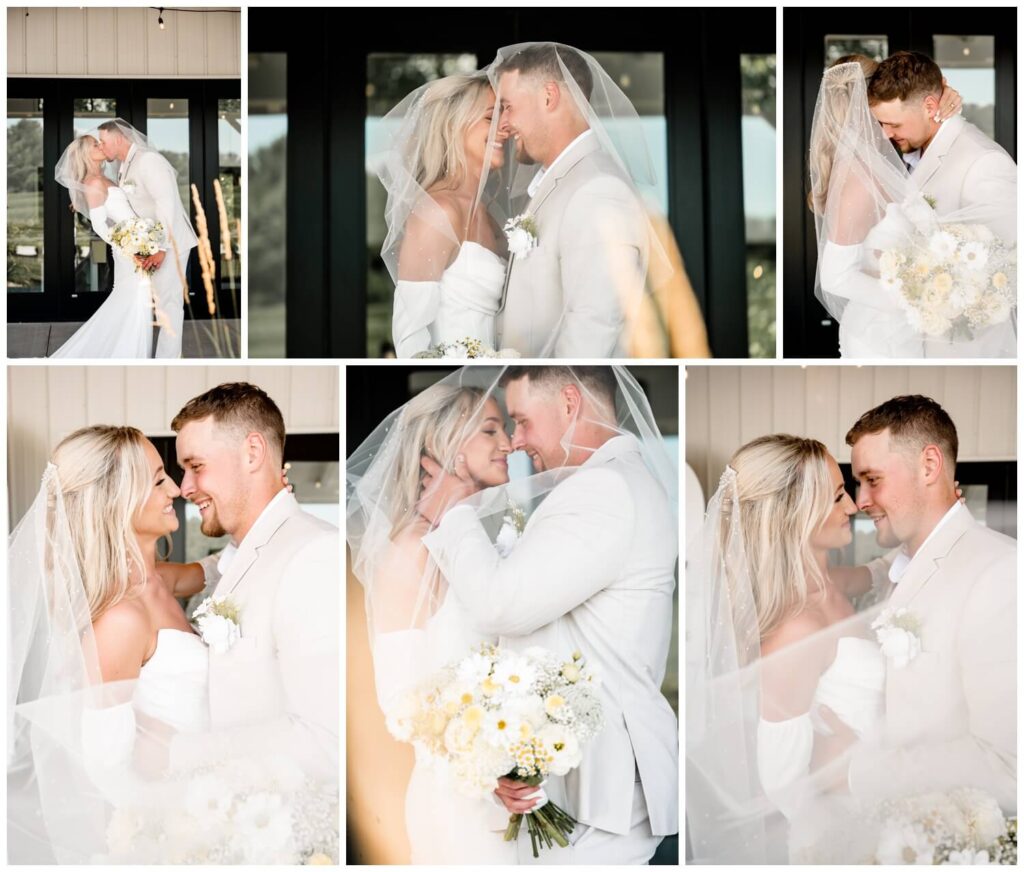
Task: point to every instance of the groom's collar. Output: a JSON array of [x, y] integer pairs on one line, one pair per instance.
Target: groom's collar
[[937, 149], [578, 149], [543, 172], [132, 150], [615, 447], [940, 542], [274, 514]]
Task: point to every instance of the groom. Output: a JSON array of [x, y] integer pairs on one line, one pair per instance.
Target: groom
[[593, 572], [151, 186], [281, 570], [569, 296], [951, 710]]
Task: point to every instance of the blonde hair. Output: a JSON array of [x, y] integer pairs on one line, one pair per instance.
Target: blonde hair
[[784, 491], [822, 152], [434, 423], [105, 480], [447, 109], [80, 164]]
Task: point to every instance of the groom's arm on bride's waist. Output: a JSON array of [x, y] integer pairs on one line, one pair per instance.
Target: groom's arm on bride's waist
[[603, 266], [573, 547], [984, 756]]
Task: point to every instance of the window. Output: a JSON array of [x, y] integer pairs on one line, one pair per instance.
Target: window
[[229, 145], [167, 129], [25, 195], [268, 138], [837, 46], [968, 63], [759, 139]]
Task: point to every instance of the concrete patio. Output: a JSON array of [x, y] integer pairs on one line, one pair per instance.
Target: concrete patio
[[199, 340]]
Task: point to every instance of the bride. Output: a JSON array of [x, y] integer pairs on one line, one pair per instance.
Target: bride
[[444, 250], [99, 642], [123, 326], [791, 678], [865, 204], [416, 626]]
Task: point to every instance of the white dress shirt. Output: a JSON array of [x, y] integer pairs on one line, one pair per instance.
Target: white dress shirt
[[543, 171], [901, 561], [228, 554]]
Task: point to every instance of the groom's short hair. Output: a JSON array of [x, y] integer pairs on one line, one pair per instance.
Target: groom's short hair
[[111, 127], [599, 380], [238, 406], [904, 75], [912, 420], [543, 60]]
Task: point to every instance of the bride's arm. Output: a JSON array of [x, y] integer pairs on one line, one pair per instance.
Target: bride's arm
[[96, 198], [182, 579]]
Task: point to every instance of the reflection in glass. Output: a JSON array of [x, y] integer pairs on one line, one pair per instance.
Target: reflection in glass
[[758, 142], [968, 63], [840, 45], [268, 137], [389, 79], [229, 148], [24, 195], [94, 266], [167, 129]]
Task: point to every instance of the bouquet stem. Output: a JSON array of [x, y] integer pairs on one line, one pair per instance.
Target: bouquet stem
[[548, 826]]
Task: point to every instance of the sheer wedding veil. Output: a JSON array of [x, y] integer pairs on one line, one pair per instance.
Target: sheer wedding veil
[[74, 166], [384, 474], [768, 781], [435, 201]]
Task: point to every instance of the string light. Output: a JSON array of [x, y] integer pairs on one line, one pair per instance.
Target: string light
[[160, 18]]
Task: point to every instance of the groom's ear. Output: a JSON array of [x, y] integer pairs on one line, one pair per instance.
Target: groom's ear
[[571, 398], [255, 450], [552, 95], [933, 463]]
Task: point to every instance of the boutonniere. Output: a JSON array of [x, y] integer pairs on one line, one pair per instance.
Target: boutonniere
[[217, 622], [929, 199], [512, 526], [899, 633], [128, 187], [521, 233]]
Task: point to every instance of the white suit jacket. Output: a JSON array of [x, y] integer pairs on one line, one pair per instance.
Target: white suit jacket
[[951, 712], [153, 193], [570, 296], [594, 572], [277, 688], [962, 168]]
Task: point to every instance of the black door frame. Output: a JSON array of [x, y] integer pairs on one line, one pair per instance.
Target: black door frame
[[54, 304], [807, 329], [326, 105]]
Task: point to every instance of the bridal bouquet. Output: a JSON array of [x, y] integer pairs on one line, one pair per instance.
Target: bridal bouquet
[[962, 280], [499, 713], [462, 349], [264, 811], [138, 237], [963, 826]]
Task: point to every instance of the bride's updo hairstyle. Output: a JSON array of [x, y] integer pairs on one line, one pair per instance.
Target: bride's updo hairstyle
[[835, 104], [435, 423], [105, 479], [784, 492], [448, 107]]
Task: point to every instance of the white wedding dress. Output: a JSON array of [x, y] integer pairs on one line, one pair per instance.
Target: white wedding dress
[[853, 687], [172, 688], [443, 825], [122, 326], [461, 305]]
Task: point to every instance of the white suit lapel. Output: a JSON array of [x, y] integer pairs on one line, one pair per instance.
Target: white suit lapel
[[929, 561], [931, 160], [249, 550], [547, 185], [123, 174]]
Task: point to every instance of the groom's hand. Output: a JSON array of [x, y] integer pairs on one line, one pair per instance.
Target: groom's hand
[[513, 795], [440, 490]]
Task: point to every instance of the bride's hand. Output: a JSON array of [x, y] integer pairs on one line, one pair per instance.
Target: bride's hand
[[950, 102], [513, 795], [284, 481], [440, 490]]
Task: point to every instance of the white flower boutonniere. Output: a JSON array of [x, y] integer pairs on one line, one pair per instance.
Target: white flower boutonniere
[[512, 526], [128, 187], [899, 633], [217, 621], [521, 233]]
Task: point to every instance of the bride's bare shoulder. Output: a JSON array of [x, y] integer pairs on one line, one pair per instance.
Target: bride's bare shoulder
[[793, 630], [124, 635]]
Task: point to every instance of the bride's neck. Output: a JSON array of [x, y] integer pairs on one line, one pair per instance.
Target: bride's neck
[[148, 547]]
